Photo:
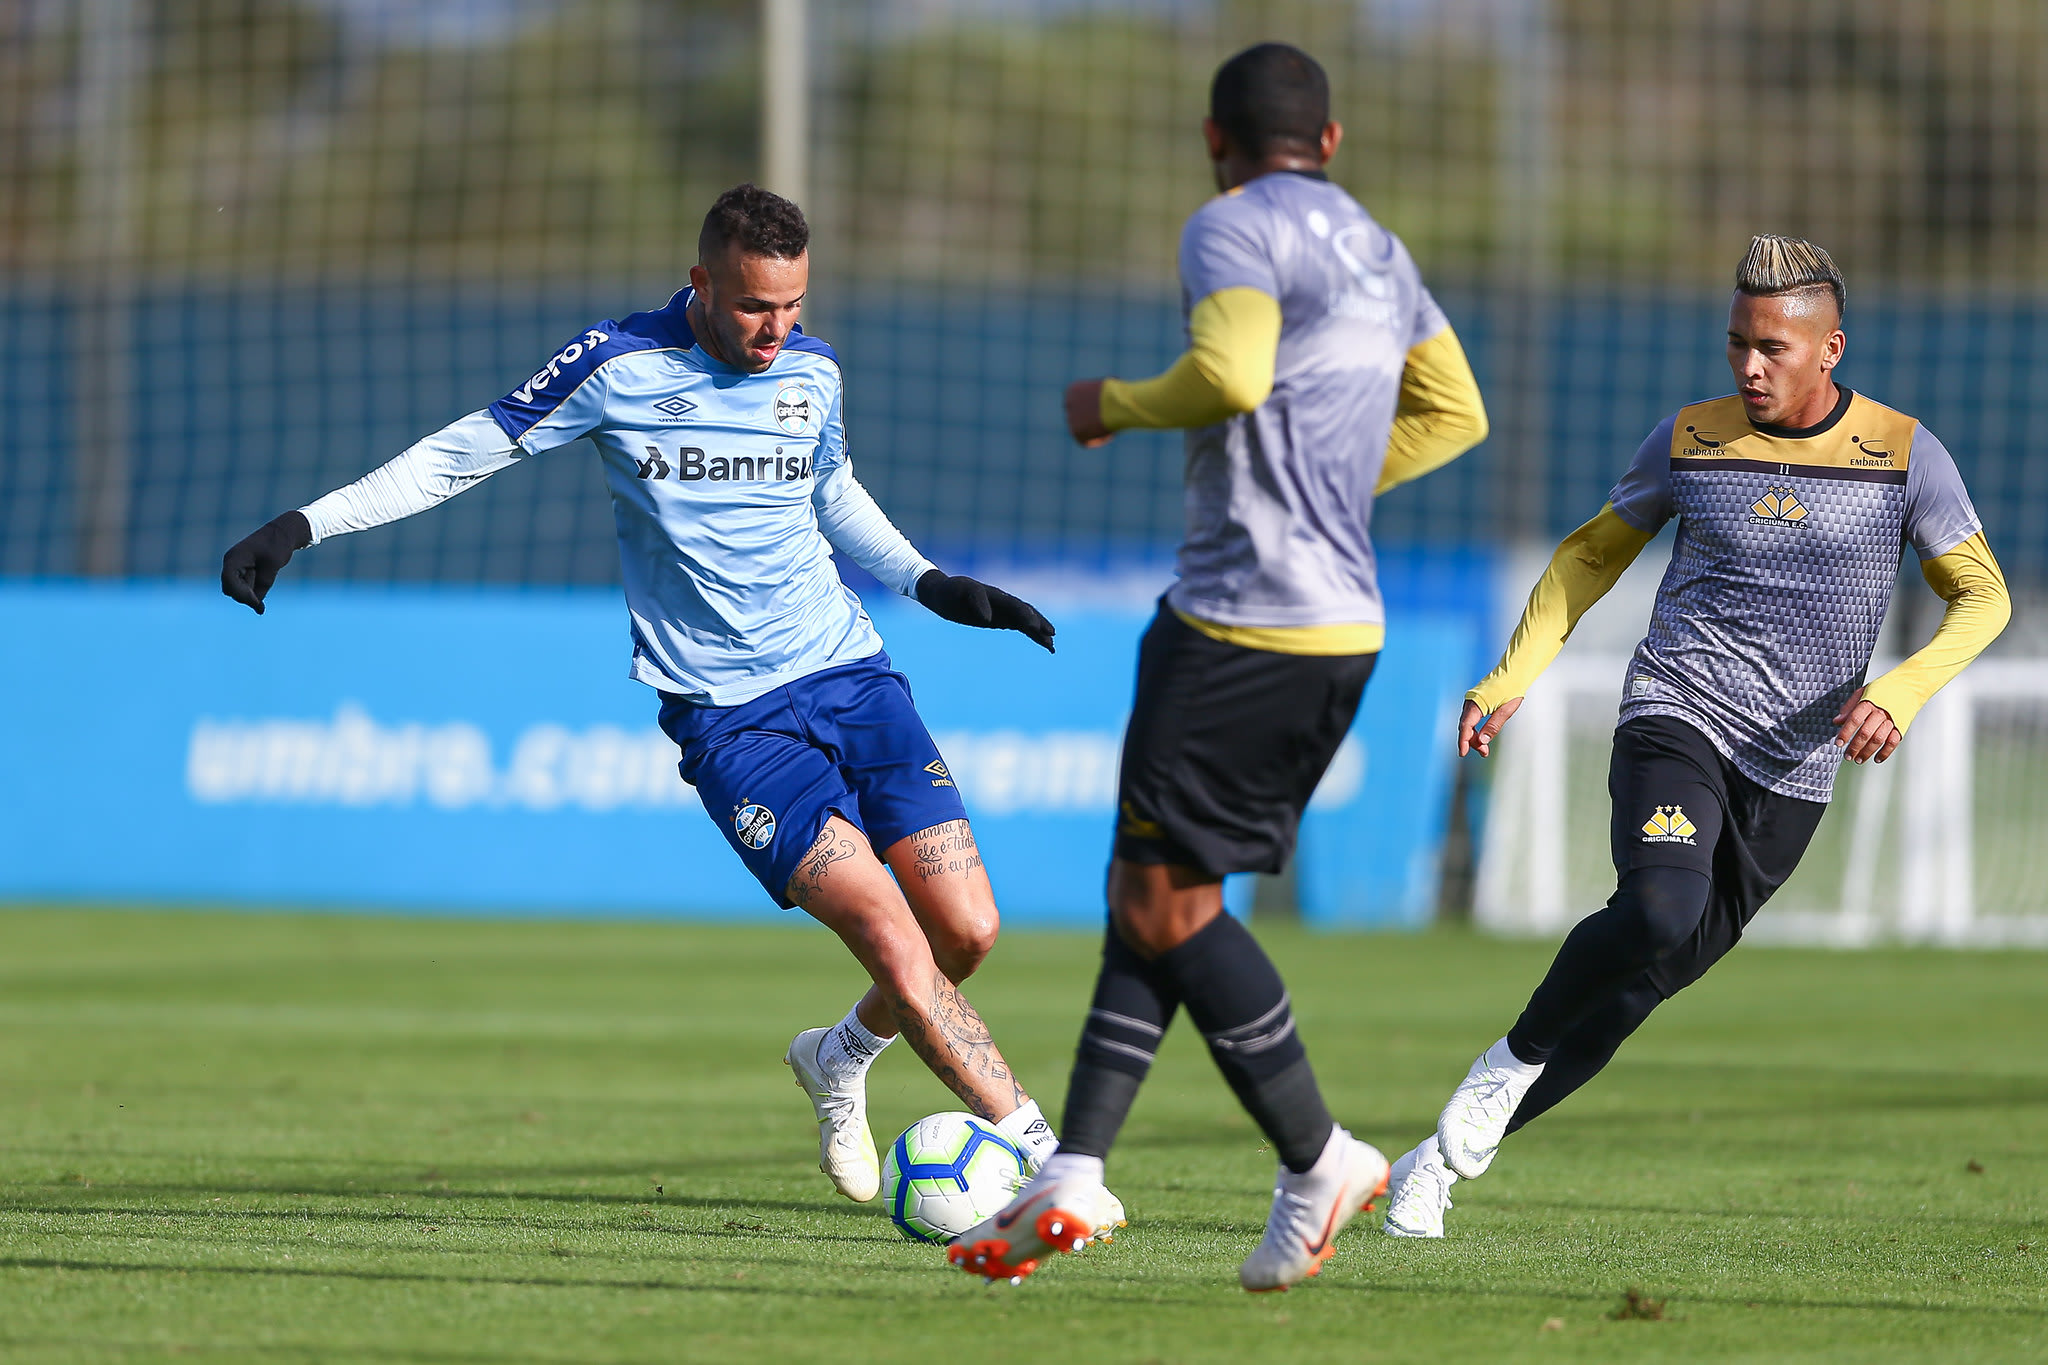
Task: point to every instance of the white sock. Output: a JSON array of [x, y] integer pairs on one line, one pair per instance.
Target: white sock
[[1329, 1162], [848, 1049], [1072, 1166], [1027, 1127], [1501, 1057]]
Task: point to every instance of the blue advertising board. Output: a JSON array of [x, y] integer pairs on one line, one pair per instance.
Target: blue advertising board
[[483, 751]]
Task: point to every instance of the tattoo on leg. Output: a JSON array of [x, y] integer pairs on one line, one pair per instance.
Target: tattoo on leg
[[817, 864], [951, 1039], [944, 849]]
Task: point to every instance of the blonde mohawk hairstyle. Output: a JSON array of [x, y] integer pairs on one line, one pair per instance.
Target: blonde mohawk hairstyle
[[1789, 265]]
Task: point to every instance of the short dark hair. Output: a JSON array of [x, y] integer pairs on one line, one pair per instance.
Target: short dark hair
[[1270, 95], [764, 224]]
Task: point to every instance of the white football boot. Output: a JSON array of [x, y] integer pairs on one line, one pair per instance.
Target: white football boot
[[1109, 1216], [1418, 1192], [1061, 1210], [846, 1149], [1310, 1209], [1109, 1210], [1476, 1119]]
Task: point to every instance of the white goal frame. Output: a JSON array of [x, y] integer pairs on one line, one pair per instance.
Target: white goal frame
[[1522, 884]]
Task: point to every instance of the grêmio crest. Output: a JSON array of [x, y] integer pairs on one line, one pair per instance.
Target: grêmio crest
[[794, 408]]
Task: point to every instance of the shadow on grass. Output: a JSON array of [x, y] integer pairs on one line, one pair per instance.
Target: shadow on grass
[[335, 1225], [808, 1286], [267, 1351], [86, 1203], [1822, 1091], [352, 1166]]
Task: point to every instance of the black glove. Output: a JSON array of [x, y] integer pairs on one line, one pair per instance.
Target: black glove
[[248, 570], [969, 603]]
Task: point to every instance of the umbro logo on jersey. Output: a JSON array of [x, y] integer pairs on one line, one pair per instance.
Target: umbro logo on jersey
[[1780, 505], [674, 407], [1669, 826], [940, 777]]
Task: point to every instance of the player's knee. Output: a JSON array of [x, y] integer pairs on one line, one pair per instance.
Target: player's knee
[[1155, 909], [961, 947], [1147, 924], [1667, 904]]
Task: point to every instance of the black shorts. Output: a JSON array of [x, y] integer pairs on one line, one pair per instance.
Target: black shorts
[[1225, 747], [1679, 803]]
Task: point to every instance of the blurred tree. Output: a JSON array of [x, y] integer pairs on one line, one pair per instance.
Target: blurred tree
[[1012, 141]]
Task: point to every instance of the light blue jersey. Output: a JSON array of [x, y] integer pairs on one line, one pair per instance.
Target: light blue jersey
[[724, 485]]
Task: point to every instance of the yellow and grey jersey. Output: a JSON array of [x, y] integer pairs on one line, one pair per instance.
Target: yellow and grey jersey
[[1279, 499], [1788, 550]]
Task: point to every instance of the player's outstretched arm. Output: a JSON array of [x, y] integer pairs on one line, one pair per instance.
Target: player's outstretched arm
[[1588, 562], [969, 602], [1234, 340], [458, 456]]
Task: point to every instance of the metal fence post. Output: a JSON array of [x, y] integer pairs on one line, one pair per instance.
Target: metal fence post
[[104, 240], [785, 97]]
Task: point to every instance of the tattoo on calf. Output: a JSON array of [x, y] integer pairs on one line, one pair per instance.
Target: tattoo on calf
[[943, 850], [951, 1039], [817, 862]]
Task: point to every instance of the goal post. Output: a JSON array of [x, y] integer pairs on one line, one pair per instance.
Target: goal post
[[1941, 845]]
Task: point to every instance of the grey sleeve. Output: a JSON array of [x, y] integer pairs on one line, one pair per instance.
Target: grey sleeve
[[1429, 318], [1224, 246], [1939, 515], [1643, 497]]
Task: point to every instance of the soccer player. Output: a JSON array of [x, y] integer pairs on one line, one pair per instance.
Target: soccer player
[[1794, 497], [1319, 372], [721, 427]]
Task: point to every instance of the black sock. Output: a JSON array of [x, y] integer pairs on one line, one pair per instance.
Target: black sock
[[1235, 997], [1587, 1048], [1652, 912], [1126, 1023]]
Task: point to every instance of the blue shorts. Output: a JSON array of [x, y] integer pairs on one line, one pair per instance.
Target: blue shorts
[[846, 742]]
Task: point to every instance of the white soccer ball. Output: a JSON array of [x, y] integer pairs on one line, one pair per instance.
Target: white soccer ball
[[946, 1173]]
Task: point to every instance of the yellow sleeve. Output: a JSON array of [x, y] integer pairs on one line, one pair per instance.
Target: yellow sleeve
[[1967, 578], [1234, 335], [1589, 562], [1441, 415]]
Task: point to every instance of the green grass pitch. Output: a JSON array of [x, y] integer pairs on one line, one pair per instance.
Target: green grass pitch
[[296, 1138]]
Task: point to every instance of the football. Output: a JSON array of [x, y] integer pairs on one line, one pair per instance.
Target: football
[[946, 1173]]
